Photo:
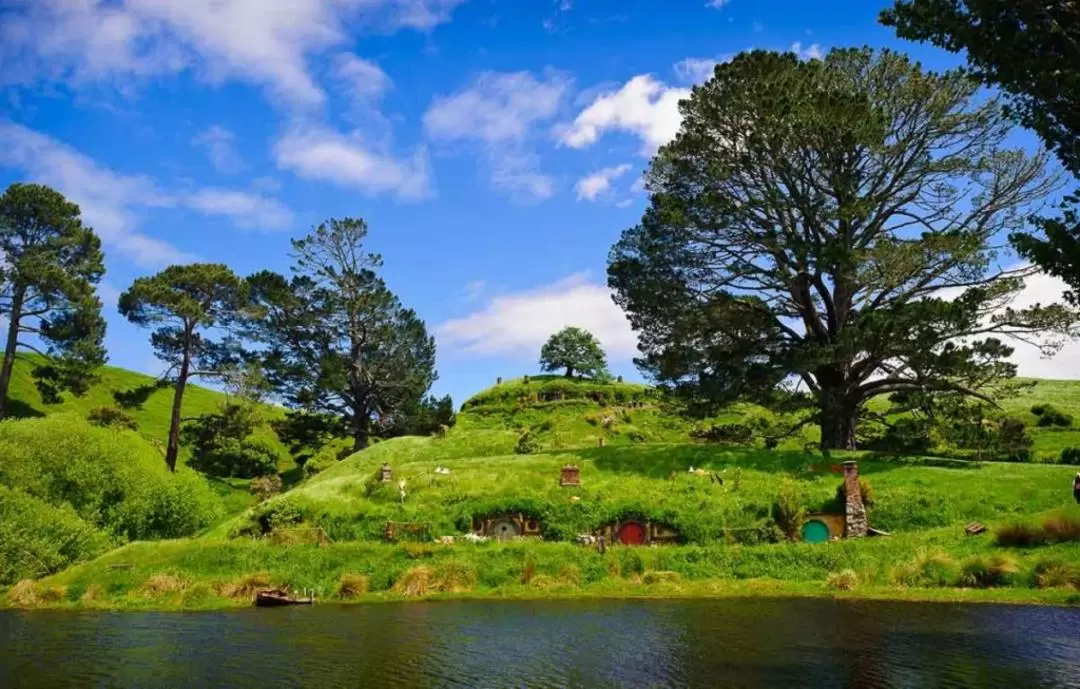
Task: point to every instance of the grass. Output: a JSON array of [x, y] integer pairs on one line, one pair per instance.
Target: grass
[[640, 469]]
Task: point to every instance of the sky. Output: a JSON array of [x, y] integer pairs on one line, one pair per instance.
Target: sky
[[494, 147]]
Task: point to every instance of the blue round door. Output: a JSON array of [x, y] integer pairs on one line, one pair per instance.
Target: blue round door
[[815, 531]]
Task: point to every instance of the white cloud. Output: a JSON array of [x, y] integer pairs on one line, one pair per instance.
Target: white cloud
[[716, 4], [591, 187], [111, 202], [810, 52], [363, 80], [501, 111], [474, 289], [245, 209], [496, 107], [643, 106], [265, 43], [326, 155], [520, 323], [220, 146], [108, 200], [266, 184], [695, 70]]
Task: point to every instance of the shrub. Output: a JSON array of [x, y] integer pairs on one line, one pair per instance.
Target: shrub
[[1020, 535], [842, 581], [930, 568], [353, 585], [527, 444], [245, 586], [1054, 573], [661, 577], [1014, 441], [987, 572], [37, 538], [323, 460], [1070, 455], [113, 480], [265, 487], [161, 584], [1061, 528], [249, 458], [418, 581], [112, 417], [456, 577], [728, 433], [1049, 415], [788, 512]]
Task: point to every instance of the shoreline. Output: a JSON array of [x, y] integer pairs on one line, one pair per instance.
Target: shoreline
[[710, 590]]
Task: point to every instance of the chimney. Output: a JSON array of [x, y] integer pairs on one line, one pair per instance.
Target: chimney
[[855, 524]]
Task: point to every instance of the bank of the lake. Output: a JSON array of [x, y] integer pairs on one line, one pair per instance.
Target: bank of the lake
[[938, 565]]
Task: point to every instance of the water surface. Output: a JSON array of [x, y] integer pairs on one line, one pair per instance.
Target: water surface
[[741, 643]]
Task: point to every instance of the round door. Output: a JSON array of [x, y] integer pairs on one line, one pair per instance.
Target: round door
[[815, 531], [504, 530], [631, 533]]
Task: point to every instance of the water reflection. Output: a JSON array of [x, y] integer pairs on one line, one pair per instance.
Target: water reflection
[[754, 643]]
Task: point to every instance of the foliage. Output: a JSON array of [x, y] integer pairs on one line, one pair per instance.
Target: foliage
[[265, 487], [929, 568], [422, 417], [1014, 441], [1070, 455], [788, 512], [1049, 415], [576, 350], [1054, 573], [184, 304], [112, 416], [49, 264], [846, 580], [805, 216], [222, 444], [865, 489], [1020, 535], [527, 444], [338, 341], [38, 538], [113, 480], [733, 433], [987, 571], [306, 433]]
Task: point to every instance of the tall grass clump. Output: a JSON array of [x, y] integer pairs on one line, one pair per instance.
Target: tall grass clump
[[929, 568], [112, 479], [983, 571]]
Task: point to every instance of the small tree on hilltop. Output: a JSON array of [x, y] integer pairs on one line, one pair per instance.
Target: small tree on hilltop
[[188, 304], [49, 264], [576, 350]]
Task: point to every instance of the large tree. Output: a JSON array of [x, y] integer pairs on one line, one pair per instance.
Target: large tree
[[338, 341], [49, 264], [1031, 50], [192, 308], [576, 350], [832, 222]]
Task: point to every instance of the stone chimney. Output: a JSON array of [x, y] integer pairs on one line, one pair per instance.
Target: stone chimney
[[855, 524]]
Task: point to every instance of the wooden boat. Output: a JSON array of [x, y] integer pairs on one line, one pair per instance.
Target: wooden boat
[[276, 597]]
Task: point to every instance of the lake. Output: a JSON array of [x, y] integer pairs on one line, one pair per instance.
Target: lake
[[723, 643]]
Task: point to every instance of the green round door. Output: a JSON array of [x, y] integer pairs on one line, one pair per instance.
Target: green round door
[[815, 531]]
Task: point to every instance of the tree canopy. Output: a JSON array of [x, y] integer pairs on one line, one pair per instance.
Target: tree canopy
[[191, 306], [576, 350], [49, 265], [338, 341], [832, 223]]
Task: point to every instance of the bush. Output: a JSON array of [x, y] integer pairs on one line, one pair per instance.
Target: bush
[[322, 461], [842, 581], [788, 512], [249, 458], [729, 433], [353, 585], [112, 417], [1054, 573], [37, 538], [1014, 441], [1070, 455], [527, 444], [1049, 415], [987, 572], [1061, 528], [113, 480], [1020, 535], [907, 436], [930, 568], [265, 487]]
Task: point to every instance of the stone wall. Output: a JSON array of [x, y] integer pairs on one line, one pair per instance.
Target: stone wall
[[854, 511]]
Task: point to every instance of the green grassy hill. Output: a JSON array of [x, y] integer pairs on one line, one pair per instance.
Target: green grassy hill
[[640, 470]]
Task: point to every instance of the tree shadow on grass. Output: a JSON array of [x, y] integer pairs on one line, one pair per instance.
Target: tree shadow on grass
[[659, 461], [17, 409], [136, 397]]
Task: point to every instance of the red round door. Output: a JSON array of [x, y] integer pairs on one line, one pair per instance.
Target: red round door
[[631, 533]]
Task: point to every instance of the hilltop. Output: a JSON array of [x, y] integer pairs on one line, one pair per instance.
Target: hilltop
[[328, 533]]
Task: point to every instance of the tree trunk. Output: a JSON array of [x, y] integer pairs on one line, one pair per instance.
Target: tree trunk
[[9, 348], [172, 451], [360, 430], [569, 371], [837, 426]]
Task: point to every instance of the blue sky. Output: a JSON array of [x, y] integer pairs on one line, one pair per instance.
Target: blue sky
[[493, 146]]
